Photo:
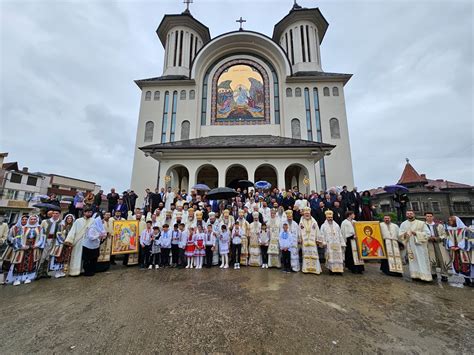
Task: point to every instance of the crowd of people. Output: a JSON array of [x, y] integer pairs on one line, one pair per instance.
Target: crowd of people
[[268, 229]]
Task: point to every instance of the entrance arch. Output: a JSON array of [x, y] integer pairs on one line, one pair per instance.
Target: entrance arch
[[179, 175], [294, 177], [235, 173], [208, 174], [267, 172]]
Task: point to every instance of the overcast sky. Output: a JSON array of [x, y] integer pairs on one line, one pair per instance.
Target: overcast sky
[[69, 105]]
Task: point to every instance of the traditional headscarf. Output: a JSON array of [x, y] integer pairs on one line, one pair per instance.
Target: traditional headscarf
[[29, 225], [459, 224]]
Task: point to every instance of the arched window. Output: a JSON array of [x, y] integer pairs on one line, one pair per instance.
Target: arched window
[[149, 126], [192, 94], [182, 95], [326, 91], [295, 128], [156, 96], [298, 92], [335, 91], [185, 126], [148, 96], [334, 127], [289, 92]]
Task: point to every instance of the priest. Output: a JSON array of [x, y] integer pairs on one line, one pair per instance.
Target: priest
[[334, 243], [254, 246], [274, 259], [393, 265], [352, 260], [415, 235], [75, 239], [310, 237], [245, 226], [294, 230]]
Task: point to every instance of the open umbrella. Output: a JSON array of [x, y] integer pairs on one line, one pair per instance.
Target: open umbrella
[[244, 183], [392, 189], [47, 206], [221, 193], [201, 187], [263, 185], [67, 198]]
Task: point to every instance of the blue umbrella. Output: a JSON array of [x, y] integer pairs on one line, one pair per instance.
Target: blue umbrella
[[395, 189], [263, 185], [201, 187]]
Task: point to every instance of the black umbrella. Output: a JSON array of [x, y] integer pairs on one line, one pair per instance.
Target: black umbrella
[[221, 193], [245, 183], [48, 206]]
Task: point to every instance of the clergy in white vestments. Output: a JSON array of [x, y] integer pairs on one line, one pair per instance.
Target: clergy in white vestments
[[169, 198], [294, 230], [415, 234], [274, 259], [352, 260], [216, 228], [255, 258], [393, 265], [310, 235], [75, 238], [245, 226], [334, 243]]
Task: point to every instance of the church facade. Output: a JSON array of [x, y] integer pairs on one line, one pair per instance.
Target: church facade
[[243, 105]]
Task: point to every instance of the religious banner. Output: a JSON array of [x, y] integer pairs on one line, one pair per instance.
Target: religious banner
[[370, 243], [125, 237]]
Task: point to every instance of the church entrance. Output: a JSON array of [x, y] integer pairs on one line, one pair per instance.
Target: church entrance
[[295, 177], [179, 177], [267, 172], [208, 175], [234, 174]]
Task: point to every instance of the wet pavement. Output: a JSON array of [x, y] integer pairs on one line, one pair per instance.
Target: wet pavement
[[127, 310]]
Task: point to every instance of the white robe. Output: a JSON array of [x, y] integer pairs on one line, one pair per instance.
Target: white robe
[[417, 249], [390, 235], [75, 237], [335, 244], [294, 229]]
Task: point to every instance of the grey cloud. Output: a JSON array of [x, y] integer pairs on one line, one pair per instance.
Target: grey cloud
[[69, 104]]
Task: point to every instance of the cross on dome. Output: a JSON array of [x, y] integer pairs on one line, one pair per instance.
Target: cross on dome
[[241, 21]]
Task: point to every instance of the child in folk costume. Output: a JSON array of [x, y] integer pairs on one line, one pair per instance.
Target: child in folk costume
[[60, 254], [190, 246], [210, 244], [155, 248], [224, 247], [273, 246], [200, 249], [263, 240], [236, 244], [26, 242]]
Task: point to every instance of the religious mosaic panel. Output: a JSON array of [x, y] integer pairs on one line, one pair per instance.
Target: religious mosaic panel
[[240, 94]]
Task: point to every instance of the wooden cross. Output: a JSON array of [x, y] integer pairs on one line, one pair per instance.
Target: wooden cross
[[241, 21], [187, 2]]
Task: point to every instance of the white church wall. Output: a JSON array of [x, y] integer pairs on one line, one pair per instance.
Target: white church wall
[[339, 163]]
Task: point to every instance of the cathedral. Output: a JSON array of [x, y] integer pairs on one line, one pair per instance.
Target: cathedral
[[243, 105]]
